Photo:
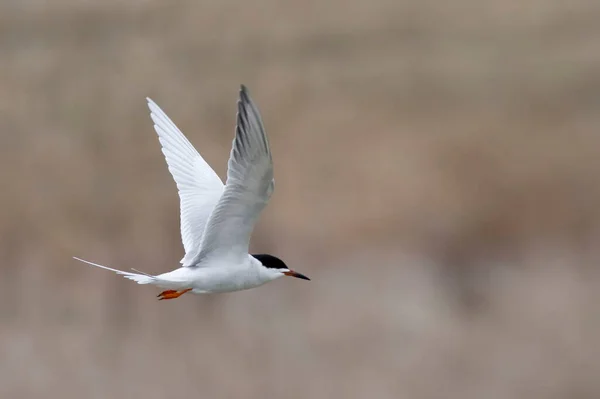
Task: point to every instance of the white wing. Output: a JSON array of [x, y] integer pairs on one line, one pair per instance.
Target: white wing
[[248, 188], [199, 186]]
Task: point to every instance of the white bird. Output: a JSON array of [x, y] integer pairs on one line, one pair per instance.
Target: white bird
[[217, 220]]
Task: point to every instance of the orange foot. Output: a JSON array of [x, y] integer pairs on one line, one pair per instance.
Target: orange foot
[[171, 294]]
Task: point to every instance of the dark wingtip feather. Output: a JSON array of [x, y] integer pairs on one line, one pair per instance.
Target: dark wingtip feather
[[244, 95], [249, 127]]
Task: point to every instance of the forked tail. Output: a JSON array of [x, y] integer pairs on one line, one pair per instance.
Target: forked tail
[[138, 277]]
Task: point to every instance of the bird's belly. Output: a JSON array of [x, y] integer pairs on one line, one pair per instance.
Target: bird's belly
[[225, 280]]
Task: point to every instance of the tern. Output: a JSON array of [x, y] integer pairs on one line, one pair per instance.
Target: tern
[[217, 220]]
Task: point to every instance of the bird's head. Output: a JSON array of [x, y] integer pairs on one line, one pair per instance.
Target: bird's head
[[276, 267]]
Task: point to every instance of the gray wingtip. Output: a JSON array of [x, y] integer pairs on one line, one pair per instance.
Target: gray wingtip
[[244, 100], [244, 94]]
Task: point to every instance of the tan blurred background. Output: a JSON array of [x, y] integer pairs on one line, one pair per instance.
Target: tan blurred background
[[438, 177]]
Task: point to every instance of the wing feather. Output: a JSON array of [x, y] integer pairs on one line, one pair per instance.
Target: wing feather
[[249, 185], [199, 186]]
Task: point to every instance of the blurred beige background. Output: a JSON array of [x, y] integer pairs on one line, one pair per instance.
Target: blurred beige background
[[438, 177]]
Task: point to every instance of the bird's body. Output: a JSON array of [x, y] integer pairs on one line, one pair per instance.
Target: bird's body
[[221, 275], [216, 219]]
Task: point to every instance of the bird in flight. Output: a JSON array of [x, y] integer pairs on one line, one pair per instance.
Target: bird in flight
[[217, 220]]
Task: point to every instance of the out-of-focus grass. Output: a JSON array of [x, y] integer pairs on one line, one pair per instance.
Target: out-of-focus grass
[[437, 176]]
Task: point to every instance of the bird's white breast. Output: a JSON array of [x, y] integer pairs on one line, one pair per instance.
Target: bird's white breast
[[220, 276]]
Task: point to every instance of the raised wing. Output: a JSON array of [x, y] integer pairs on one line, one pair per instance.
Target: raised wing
[[248, 189], [199, 186]]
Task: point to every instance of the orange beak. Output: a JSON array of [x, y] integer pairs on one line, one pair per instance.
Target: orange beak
[[295, 274]]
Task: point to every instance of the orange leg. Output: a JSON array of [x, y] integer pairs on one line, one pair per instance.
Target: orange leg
[[172, 294]]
